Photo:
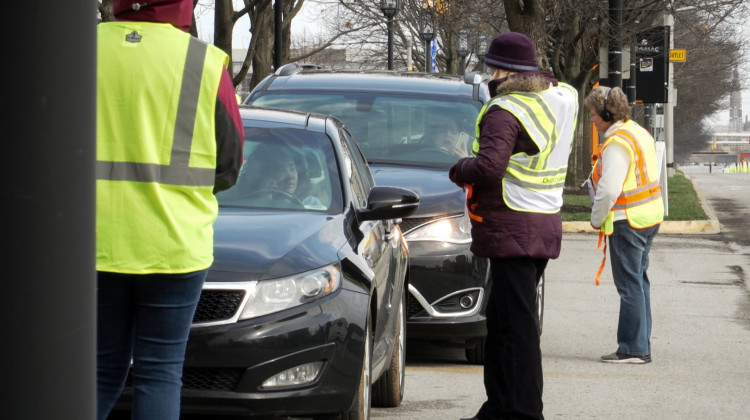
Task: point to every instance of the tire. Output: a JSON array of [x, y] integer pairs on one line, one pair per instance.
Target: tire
[[360, 409], [540, 303], [388, 391]]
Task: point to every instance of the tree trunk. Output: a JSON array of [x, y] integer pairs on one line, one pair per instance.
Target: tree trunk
[[263, 33], [223, 26], [527, 17]]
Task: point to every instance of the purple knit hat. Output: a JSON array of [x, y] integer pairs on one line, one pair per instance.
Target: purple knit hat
[[512, 51]]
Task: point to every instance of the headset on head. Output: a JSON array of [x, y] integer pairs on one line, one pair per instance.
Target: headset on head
[[605, 114]]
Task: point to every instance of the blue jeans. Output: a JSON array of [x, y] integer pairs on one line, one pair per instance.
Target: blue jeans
[[628, 250], [145, 318]]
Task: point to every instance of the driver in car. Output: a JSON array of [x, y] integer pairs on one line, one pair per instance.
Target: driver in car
[[272, 168], [443, 133]]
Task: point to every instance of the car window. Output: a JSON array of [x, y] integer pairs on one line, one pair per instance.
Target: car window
[[352, 168], [288, 169], [420, 130], [360, 159]]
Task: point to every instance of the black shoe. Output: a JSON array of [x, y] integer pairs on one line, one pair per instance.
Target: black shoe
[[623, 358]]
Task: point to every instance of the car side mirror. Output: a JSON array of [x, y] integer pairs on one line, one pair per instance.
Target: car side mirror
[[389, 203]]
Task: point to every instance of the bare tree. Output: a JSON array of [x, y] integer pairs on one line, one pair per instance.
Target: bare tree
[[568, 33]]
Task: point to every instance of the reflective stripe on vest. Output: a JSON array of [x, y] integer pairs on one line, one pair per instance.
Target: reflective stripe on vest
[[535, 182], [177, 172]]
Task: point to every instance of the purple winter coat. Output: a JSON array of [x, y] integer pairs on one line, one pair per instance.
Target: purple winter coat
[[503, 232]]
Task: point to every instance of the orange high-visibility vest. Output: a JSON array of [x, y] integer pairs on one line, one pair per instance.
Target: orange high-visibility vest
[[641, 194]]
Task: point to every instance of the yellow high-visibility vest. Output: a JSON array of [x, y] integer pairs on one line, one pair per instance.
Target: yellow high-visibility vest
[[641, 194], [534, 183], [156, 148]]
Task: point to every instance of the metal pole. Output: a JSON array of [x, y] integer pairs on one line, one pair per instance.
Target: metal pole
[[49, 299], [277, 35], [615, 44], [669, 106], [463, 65], [427, 56], [390, 42]]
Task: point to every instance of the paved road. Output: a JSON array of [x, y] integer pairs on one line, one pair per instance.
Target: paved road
[[701, 333]]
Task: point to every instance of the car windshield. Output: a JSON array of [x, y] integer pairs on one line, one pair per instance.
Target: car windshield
[[423, 131], [287, 169]]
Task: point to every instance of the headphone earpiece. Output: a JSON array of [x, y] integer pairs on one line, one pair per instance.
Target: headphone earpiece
[[606, 115]]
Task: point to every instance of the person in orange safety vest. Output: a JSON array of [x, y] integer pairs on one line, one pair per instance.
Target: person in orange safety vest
[[627, 210]]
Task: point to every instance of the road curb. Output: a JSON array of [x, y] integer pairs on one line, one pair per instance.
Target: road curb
[[710, 226]]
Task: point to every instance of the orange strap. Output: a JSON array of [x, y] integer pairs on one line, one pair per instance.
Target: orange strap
[[604, 258]]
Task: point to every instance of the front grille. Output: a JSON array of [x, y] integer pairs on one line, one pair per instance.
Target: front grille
[[217, 305], [204, 379], [207, 379], [413, 308]]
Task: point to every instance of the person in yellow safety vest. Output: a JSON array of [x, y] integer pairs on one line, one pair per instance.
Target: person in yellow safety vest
[[627, 209], [169, 136], [515, 183]]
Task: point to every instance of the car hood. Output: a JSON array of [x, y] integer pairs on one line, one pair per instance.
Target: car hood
[[437, 194], [264, 245]]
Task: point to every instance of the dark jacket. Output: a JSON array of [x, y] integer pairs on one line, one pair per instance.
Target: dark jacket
[[503, 232]]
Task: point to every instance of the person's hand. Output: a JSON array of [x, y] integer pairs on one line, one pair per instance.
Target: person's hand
[[270, 184], [453, 176]]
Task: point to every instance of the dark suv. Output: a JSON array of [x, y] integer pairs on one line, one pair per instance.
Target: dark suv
[[411, 127]]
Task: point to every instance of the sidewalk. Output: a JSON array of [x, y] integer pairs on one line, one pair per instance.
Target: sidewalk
[[709, 226]]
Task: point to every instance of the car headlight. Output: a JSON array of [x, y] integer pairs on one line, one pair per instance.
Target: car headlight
[[455, 229], [275, 295]]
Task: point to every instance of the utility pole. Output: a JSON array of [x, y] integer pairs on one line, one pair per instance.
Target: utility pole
[[614, 56], [277, 33], [671, 98]]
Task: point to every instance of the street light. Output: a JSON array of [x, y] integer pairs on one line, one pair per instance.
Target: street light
[[462, 46], [427, 33], [482, 44], [390, 8]]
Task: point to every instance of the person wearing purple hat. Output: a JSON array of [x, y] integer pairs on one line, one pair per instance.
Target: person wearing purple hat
[[515, 182], [169, 136]]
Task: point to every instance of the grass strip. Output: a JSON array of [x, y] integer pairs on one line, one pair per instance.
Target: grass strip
[[683, 202]]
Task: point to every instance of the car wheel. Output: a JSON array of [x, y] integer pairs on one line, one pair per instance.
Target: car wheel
[[388, 391], [540, 302], [475, 354], [360, 409]]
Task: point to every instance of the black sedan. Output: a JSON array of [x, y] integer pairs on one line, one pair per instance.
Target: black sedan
[[412, 127], [303, 311]]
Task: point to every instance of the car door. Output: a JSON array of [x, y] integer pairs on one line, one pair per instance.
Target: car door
[[376, 247]]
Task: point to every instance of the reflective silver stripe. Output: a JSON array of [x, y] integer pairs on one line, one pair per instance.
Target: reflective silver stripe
[[532, 172], [533, 185], [638, 190], [177, 172], [151, 172], [636, 203], [549, 138], [187, 108]]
